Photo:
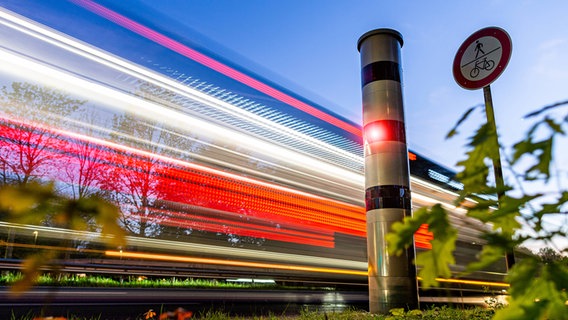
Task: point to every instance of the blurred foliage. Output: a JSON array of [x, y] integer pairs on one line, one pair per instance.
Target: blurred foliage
[[435, 262], [538, 285], [35, 203]]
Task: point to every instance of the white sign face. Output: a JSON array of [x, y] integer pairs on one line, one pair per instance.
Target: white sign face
[[482, 57]]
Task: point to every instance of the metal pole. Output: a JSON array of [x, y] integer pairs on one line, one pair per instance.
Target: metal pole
[[498, 171], [392, 279]]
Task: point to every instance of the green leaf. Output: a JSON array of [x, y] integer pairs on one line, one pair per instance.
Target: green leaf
[[402, 233], [32, 203], [545, 109], [107, 217], [482, 210], [11, 199], [505, 217], [554, 207], [398, 312], [434, 262], [541, 150], [475, 172], [21, 199], [415, 313], [31, 270], [490, 254], [554, 126], [537, 291], [464, 117]]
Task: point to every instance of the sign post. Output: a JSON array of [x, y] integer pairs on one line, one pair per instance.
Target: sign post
[[480, 60]]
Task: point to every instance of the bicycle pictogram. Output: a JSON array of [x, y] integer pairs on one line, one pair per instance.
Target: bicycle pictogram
[[481, 65]]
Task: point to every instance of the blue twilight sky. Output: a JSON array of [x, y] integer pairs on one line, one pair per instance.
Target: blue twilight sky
[[309, 46]]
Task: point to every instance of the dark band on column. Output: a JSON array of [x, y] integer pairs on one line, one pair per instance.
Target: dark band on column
[[380, 70], [390, 196]]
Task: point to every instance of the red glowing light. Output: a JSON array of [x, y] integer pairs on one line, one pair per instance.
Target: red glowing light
[[384, 130], [375, 133]]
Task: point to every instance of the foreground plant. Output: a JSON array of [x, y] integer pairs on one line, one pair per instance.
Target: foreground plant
[[537, 290], [38, 204]]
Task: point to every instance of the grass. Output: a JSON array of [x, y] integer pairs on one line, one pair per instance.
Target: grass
[[141, 282], [81, 280], [431, 314]]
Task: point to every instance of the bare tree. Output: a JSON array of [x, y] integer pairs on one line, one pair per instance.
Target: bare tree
[[136, 180], [29, 148]]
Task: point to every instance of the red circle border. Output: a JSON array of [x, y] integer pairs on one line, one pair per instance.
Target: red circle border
[[503, 38]]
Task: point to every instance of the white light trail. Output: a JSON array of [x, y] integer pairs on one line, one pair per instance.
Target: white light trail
[[57, 39], [120, 101]]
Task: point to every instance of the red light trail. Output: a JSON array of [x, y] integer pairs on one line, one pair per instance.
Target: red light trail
[[279, 213]]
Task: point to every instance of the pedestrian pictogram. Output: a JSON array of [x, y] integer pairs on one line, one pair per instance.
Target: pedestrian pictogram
[[481, 58], [478, 48]]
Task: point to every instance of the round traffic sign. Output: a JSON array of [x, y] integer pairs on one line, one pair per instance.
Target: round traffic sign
[[482, 57]]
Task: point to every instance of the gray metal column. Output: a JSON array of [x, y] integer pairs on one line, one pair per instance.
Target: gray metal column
[[392, 279]]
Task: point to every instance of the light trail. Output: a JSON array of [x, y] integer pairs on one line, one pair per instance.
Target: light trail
[[68, 44], [151, 111], [357, 269], [45, 247], [315, 168], [187, 248], [213, 64], [164, 257], [284, 204], [123, 66], [187, 259], [472, 282]]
